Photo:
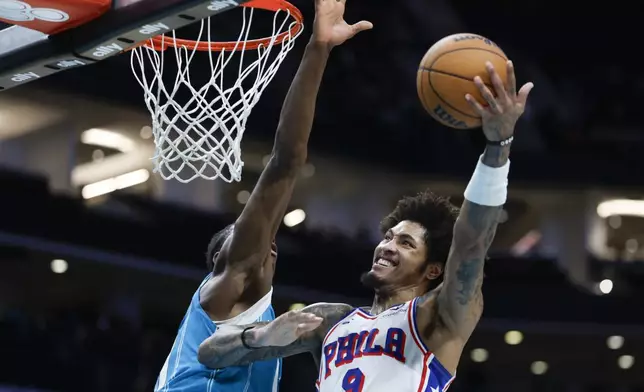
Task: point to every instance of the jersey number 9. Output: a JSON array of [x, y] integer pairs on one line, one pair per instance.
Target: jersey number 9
[[353, 380]]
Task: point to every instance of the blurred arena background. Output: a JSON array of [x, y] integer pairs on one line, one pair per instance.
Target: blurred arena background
[[95, 276]]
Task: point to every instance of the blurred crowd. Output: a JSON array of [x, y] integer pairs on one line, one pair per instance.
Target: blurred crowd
[[79, 351]]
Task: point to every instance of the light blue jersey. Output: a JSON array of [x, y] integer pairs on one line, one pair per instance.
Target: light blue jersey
[[182, 372]]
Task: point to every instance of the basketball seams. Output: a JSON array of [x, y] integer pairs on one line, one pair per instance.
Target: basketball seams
[[438, 95], [467, 48], [445, 93], [422, 91], [451, 74], [431, 66]]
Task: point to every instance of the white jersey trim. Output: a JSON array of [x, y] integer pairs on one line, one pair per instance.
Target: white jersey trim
[[428, 355], [251, 314], [330, 331], [411, 316]]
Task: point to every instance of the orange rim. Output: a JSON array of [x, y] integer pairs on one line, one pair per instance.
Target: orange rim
[[161, 43]]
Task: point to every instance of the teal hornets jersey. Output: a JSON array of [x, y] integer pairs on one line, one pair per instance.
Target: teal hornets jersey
[[182, 372]]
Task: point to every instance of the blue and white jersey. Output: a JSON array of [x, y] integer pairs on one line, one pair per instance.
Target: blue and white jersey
[[182, 372]]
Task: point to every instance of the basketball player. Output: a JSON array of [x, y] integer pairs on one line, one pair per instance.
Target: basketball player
[[412, 337], [242, 257]]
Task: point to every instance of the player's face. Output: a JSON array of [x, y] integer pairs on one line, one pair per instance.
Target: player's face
[[400, 258]]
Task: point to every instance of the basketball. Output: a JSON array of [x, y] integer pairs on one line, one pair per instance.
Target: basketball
[[446, 73]]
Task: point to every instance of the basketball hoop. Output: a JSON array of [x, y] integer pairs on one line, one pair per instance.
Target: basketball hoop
[[200, 137]]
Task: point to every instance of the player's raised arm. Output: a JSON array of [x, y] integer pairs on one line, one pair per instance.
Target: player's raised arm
[[258, 223], [255, 229], [292, 333], [460, 301]]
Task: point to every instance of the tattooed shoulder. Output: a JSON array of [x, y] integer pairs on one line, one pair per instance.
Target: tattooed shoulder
[[330, 312]]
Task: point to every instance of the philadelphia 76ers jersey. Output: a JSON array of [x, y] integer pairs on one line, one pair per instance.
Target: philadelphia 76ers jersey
[[383, 353]]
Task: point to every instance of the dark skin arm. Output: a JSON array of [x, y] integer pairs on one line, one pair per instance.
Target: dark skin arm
[[290, 334], [255, 229], [458, 306], [249, 246], [258, 223]]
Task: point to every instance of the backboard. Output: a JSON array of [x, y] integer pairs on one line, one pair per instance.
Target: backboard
[[50, 36]]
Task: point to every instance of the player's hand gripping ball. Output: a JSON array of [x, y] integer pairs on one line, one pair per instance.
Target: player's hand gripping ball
[[502, 108], [447, 73]]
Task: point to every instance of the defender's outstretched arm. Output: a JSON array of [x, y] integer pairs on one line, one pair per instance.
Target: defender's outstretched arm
[[256, 227]]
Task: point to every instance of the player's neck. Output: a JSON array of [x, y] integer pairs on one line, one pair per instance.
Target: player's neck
[[385, 299]]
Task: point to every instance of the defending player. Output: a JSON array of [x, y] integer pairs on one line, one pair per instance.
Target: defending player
[[242, 256], [412, 338]]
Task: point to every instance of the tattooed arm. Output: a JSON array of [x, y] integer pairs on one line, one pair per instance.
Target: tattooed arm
[[447, 316], [460, 301], [292, 333]]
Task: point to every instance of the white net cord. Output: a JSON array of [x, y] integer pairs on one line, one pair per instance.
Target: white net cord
[[201, 136]]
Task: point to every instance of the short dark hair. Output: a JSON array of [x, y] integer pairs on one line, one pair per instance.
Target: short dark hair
[[216, 242], [435, 213]]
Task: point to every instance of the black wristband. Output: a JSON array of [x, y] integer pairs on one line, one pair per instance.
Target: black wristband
[[244, 341], [501, 143]]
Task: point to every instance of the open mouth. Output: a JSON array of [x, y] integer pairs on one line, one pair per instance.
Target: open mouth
[[385, 263]]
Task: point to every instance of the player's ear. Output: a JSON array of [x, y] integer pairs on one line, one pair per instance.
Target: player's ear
[[214, 257], [433, 270]]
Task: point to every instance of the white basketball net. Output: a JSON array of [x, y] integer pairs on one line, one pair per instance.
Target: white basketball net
[[201, 137]]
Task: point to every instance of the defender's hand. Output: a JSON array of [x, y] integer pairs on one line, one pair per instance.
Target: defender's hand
[[502, 112], [329, 27], [285, 329]]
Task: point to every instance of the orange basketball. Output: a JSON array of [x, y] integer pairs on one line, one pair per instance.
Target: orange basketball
[[446, 73]]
